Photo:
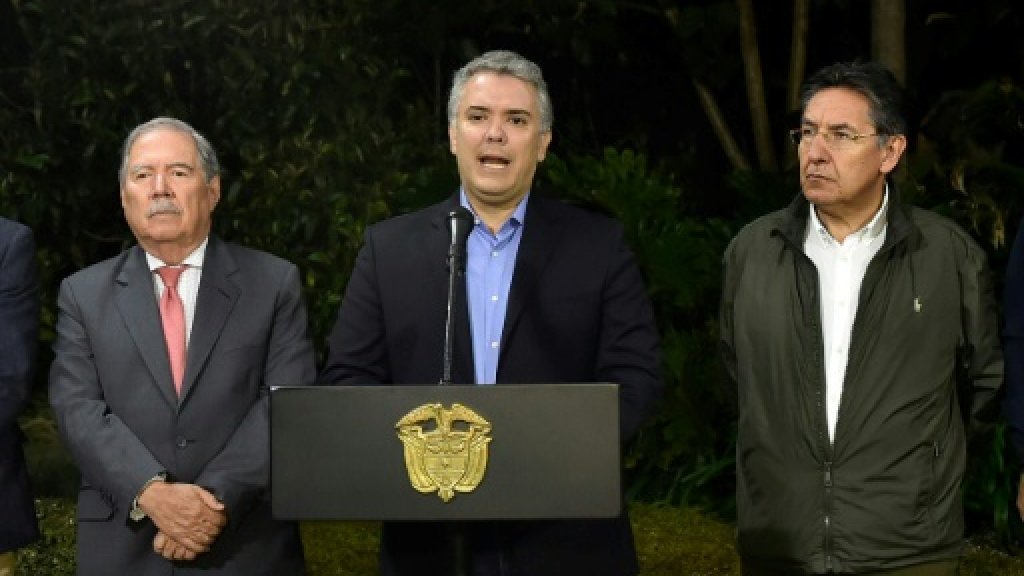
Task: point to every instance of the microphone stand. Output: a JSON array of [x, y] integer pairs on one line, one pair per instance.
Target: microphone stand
[[460, 224], [449, 322]]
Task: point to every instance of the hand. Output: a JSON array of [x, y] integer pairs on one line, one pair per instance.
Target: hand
[[186, 515], [170, 549]]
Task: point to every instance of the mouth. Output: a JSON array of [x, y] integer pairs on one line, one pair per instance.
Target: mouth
[[164, 206], [812, 177], [493, 162]]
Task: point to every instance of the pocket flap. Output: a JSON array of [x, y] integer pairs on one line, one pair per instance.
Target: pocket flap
[[94, 506]]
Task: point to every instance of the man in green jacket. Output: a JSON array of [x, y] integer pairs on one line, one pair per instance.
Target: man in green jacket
[[860, 334]]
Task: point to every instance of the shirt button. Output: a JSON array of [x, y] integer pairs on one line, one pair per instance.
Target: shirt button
[[181, 442], [494, 254], [494, 345], [494, 298]]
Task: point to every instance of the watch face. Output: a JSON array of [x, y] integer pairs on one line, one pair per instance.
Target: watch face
[[136, 513]]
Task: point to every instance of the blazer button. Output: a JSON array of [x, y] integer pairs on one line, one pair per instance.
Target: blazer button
[[181, 442]]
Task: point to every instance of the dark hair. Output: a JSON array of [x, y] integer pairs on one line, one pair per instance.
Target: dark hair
[[870, 79]]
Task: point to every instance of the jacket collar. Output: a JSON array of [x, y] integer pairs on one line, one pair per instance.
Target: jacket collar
[[793, 224]]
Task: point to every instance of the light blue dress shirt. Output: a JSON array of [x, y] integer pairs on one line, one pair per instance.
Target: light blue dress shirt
[[490, 261]]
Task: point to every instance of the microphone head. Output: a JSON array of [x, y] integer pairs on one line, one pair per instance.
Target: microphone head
[[460, 223]]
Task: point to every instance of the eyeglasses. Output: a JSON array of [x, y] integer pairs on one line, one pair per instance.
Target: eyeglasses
[[838, 139]]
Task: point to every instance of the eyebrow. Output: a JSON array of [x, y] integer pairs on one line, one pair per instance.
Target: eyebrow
[[510, 112], [839, 126], [135, 168]]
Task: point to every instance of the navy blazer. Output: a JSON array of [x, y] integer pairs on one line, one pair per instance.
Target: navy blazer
[[577, 312], [112, 393], [1013, 343], [19, 331]]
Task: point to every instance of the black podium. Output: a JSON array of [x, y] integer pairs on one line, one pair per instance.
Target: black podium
[[553, 452]]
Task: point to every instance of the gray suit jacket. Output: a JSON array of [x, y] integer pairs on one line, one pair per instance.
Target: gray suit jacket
[[111, 389]]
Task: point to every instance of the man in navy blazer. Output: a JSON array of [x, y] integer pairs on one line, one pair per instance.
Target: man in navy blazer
[[554, 295], [19, 329], [1013, 352], [175, 463]]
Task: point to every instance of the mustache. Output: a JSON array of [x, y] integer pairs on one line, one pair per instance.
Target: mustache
[[162, 206]]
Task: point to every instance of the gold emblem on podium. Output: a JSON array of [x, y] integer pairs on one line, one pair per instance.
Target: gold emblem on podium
[[445, 450]]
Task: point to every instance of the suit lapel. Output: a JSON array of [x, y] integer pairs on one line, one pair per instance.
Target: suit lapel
[[217, 297], [135, 299], [541, 234]]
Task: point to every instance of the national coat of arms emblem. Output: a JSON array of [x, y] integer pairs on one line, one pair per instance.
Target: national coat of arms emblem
[[445, 450]]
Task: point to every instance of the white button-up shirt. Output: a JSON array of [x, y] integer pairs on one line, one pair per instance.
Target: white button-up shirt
[[841, 267]]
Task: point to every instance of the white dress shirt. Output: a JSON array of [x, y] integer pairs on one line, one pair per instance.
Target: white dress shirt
[[841, 267]]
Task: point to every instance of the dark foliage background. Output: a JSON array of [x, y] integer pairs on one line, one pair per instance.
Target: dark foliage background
[[329, 115]]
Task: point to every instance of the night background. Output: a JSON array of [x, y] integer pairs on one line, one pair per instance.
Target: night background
[[330, 115]]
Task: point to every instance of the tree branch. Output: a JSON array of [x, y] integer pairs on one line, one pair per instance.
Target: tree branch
[[717, 119], [755, 87]]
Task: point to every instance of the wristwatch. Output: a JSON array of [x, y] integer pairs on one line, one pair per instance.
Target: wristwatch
[[136, 514]]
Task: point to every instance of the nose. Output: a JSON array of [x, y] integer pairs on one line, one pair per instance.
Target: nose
[[159, 184], [495, 130], [817, 149]]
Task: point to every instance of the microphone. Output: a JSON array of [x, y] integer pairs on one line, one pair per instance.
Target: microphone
[[460, 224]]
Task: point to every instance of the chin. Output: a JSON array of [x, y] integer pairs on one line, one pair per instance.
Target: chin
[[492, 185], [818, 194], [493, 192], [164, 234]]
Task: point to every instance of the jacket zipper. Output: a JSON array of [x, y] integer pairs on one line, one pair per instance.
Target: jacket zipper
[[826, 444], [828, 516], [891, 241]]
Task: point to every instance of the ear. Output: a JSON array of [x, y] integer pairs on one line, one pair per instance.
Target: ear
[[214, 192], [545, 141], [451, 137], [892, 152]]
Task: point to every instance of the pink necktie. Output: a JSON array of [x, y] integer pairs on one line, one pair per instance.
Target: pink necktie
[[172, 316]]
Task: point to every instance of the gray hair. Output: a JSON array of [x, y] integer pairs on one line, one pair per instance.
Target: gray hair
[[508, 63], [207, 156]]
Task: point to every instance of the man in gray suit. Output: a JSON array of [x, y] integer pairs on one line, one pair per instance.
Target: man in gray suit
[[163, 359]]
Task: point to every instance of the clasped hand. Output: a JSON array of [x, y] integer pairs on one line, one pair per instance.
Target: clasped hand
[[188, 518]]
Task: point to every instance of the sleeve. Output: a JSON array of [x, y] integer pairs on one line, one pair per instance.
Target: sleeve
[[19, 324], [629, 350], [356, 351], [240, 472], [981, 355], [109, 454], [725, 312], [1013, 341]]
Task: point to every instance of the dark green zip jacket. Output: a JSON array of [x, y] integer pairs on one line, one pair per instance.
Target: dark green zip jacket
[[924, 357]]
